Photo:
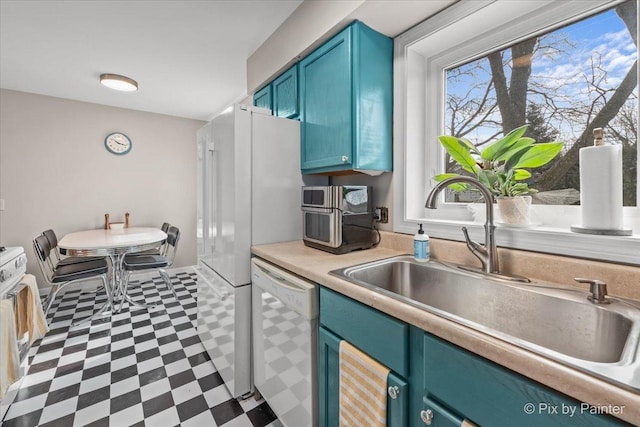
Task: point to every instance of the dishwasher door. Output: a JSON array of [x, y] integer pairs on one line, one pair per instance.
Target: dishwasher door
[[285, 336]]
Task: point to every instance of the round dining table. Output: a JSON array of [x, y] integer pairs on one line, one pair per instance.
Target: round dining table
[[114, 244]]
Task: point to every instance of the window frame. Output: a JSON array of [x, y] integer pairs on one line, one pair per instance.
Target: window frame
[[418, 81]]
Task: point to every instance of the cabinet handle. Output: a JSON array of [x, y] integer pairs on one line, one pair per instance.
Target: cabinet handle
[[345, 159], [426, 416], [393, 391]]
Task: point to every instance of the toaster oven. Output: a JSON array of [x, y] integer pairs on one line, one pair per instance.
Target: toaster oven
[[337, 218]]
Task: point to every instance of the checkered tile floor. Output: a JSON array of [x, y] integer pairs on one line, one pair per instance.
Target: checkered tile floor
[[138, 367]]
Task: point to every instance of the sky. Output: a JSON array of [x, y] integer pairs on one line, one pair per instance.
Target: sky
[[562, 63]]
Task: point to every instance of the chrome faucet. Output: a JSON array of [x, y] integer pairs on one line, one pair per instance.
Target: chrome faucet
[[487, 254]]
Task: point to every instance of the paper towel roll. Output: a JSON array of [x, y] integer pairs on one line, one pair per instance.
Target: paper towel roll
[[601, 187]]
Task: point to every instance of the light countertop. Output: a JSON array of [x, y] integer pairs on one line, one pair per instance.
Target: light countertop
[[315, 266]]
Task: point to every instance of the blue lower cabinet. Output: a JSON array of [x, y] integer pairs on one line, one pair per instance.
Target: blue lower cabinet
[[433, 382], [454, 384], [329, 386]]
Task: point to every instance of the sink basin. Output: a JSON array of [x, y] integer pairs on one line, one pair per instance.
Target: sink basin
[[560, 324]]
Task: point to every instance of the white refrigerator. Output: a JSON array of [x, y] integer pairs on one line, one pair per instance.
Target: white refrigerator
[[248, 194]]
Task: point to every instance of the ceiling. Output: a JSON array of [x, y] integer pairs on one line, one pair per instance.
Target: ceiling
[[189, 57]]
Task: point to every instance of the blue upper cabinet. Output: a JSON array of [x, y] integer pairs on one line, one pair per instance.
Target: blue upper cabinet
[[262, 98], [346, 97], [285, 94], [280, 95]]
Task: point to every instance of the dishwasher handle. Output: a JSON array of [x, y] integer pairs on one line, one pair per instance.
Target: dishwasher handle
[[281, 281], [296, 293]]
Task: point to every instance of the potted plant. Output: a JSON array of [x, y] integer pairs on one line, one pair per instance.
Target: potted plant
[[503, 168]]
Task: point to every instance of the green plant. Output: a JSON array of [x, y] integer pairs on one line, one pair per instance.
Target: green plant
[[502, 166]]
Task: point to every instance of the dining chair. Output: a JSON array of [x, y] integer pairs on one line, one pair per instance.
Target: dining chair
[[162, 250], [140, 262], [60, 276], [62, 260]]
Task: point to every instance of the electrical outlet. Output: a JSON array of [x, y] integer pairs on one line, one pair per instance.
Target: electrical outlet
[[381, 215]]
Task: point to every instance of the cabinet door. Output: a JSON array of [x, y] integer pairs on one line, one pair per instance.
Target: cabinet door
[[438, 415], [329, 386], [328, 378], [285, 94], [326, 120], [397, 401], [262, 98]]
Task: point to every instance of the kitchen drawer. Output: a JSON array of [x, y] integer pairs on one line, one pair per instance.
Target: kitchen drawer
[[382, 337]]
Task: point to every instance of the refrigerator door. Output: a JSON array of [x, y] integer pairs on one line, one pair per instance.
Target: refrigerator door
[[276, 180], [251, 190], [224, 327], [226, 196]]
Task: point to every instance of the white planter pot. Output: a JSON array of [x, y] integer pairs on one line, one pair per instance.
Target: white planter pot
[[515, 210]]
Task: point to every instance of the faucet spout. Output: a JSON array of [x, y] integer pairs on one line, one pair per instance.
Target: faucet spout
[[488, 257]]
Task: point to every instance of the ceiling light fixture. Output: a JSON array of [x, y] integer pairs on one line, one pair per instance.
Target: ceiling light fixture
[[117, 82]]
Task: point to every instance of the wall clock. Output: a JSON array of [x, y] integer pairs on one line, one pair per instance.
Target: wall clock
[[117, 143]]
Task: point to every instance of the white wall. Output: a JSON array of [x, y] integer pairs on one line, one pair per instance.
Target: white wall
[[314, 22], [56, 173], [309, 25]]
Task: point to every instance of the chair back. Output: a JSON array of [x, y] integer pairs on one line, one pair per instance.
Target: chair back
[[42, 248], [173, 236], [164, 247], [53, 241]]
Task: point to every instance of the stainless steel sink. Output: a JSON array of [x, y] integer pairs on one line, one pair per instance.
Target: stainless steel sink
[[560, 324]]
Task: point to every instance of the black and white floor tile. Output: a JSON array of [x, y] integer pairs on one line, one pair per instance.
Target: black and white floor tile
[[135, 368]]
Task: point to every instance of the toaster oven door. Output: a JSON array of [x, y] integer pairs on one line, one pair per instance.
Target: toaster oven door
[[324, 196], [322, 226]]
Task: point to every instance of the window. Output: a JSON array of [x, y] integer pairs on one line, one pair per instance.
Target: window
[[575, 69], [563, 84]]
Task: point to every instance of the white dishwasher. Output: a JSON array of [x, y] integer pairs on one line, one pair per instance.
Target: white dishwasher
[[285, 337]]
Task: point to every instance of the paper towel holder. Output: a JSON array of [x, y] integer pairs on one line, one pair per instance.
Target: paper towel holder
[[617, 229]]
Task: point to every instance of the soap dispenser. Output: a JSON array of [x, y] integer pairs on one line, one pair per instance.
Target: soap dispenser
[[421, 246]]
